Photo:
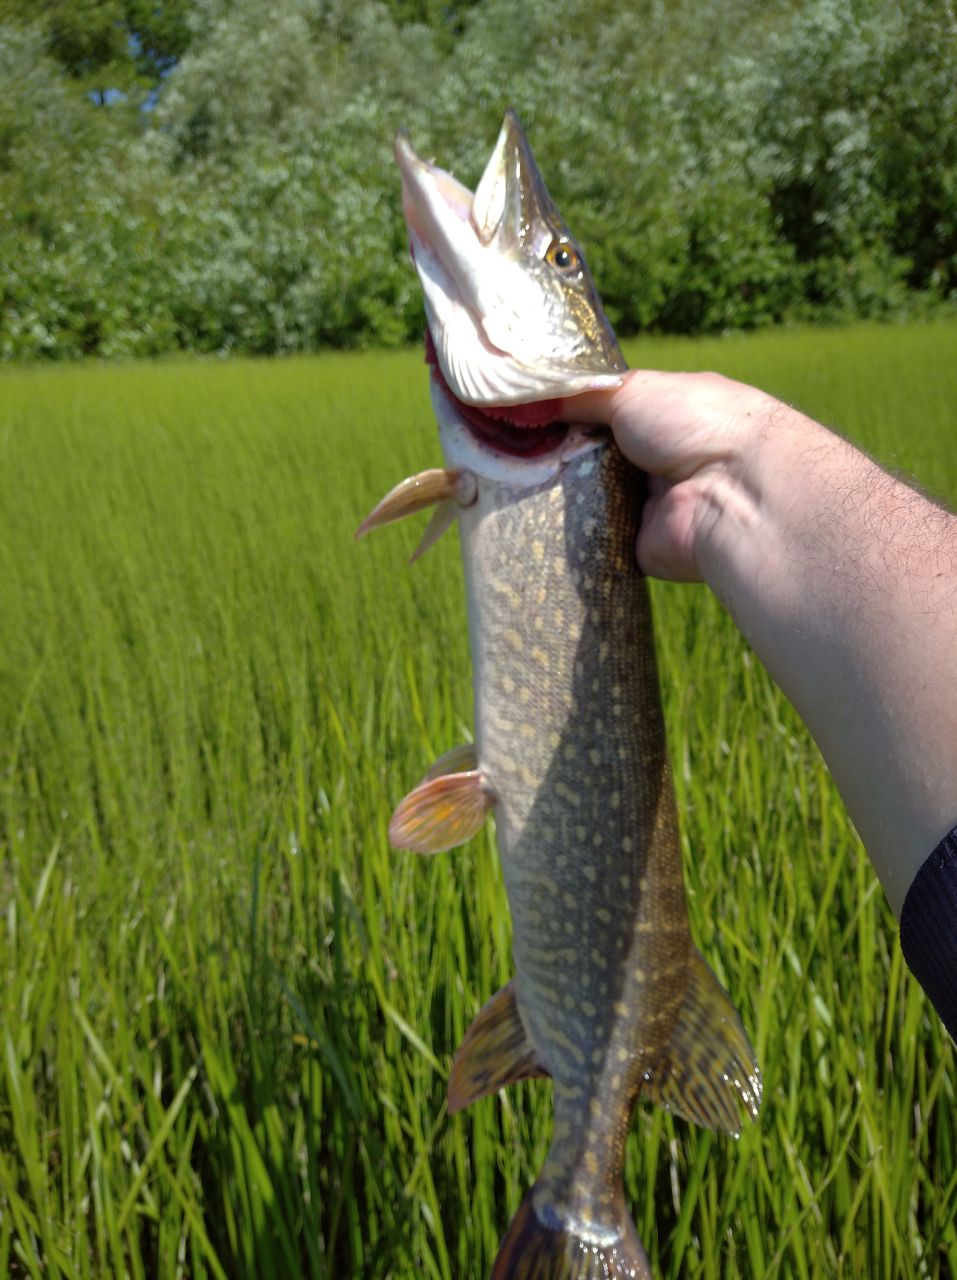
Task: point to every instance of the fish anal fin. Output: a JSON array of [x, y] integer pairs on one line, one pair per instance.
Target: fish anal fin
[[441, 812], [708, 1073], [496, 1051]]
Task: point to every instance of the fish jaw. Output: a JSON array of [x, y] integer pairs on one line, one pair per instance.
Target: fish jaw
[[511, 305], [468, 452]]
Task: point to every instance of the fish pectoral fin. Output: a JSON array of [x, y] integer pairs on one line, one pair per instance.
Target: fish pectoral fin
[[449, 487], [441, 812], [459, 760], [708, 1073], [443, 517], [496, 1051]]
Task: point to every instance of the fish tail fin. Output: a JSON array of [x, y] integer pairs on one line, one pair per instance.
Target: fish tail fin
[[541, 1244]]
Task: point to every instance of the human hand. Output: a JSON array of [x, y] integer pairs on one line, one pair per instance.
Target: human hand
[[696, 435]]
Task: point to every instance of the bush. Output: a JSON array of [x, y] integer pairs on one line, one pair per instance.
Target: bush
[[809, 171]]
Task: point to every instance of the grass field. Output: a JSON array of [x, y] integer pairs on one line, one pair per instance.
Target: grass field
[[228, 1009]]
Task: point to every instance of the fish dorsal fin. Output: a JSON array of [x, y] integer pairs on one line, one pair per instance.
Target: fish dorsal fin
[[496, 1051], [441, 812], [708, 1073]]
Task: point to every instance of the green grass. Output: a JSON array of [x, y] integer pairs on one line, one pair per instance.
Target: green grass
[[228, 1009]]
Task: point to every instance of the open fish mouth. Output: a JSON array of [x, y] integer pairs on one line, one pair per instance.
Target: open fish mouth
[[524, 431], [514, 319]]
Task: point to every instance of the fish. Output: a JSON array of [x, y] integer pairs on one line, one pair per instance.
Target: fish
[[610, 996]]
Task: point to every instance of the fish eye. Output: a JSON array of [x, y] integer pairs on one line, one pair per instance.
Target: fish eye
[[563, 255]]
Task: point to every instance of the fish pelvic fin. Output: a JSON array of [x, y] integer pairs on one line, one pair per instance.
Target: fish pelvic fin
[[459, 760], [441, 812], [541, 1244], [708, 1073], [496, 1051]]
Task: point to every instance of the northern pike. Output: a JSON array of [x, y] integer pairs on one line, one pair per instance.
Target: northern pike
[[610, 997]]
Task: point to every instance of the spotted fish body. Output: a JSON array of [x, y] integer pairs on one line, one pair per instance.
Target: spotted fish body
[[570, 735], [610, 996]]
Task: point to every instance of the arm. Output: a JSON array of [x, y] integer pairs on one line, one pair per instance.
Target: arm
[[842, 578]]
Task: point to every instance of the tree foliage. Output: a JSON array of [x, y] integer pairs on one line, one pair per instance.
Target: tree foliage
[[725, 164]]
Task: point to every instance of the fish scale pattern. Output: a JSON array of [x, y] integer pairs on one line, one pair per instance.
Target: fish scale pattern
[[570, 736]]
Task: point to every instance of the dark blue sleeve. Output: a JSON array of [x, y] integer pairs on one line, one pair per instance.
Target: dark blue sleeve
[[929, 929]]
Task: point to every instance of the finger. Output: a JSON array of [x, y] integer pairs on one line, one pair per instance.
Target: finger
[[665, 545], [589, 406]]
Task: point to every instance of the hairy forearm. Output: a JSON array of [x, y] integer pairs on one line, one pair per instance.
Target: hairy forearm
[[844, 580]]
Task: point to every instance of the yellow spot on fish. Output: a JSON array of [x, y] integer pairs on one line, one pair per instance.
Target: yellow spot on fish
[[604, 915], [580, 833], [570, 751], [591, 1162], [570, 901], [643, 884], [541, 595], [639, 975], [508, 684], [513, 639], [559, 564], [615, 799], [588, 1009], [603, 649], [625, 881], [616, 1081], [595, 756], [540, 656], [524, 696], [623, 1054], [597, 1056], [526, 731], [553, 740], [627, 844], [621, 1009], [538, 551], [569, 1001], [598, 958], [591, 875]]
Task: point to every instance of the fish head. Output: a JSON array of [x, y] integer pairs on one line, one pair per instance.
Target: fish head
[[513, 313]]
